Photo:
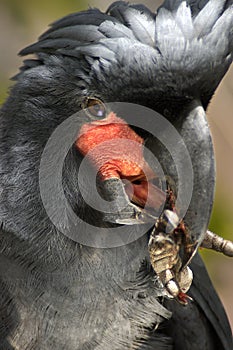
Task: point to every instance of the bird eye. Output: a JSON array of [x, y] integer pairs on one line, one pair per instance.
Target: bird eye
[[95, 107]]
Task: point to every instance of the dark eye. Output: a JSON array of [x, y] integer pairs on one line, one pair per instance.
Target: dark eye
[[95, 107]]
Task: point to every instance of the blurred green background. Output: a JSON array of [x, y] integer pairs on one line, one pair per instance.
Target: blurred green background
[[22, 21]]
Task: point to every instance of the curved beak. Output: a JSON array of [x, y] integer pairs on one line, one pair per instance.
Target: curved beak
[[193, 190], [193, 128]]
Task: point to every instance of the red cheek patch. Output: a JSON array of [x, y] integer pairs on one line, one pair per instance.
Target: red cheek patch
[[117, 152]]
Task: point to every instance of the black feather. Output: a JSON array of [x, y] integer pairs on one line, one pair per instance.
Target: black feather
[[54, 292]]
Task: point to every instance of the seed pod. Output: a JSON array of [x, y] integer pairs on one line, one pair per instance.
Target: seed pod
[[164, 246]]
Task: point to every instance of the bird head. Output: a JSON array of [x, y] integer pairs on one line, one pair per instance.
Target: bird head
[[88, 61]]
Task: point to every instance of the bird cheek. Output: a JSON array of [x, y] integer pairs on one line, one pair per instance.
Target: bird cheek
[[145, 194]]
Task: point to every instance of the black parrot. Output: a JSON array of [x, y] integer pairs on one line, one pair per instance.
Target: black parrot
[[57, 293]]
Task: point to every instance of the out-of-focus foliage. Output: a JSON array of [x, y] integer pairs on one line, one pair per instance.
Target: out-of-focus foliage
[[21, 22], [26, 11], [222, 218], [3, 92], [221, 223]]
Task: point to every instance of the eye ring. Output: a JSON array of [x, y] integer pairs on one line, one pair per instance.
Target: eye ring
[[94, 107]]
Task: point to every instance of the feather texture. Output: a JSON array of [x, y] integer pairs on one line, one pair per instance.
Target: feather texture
[[56, 293], [193, 37]]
